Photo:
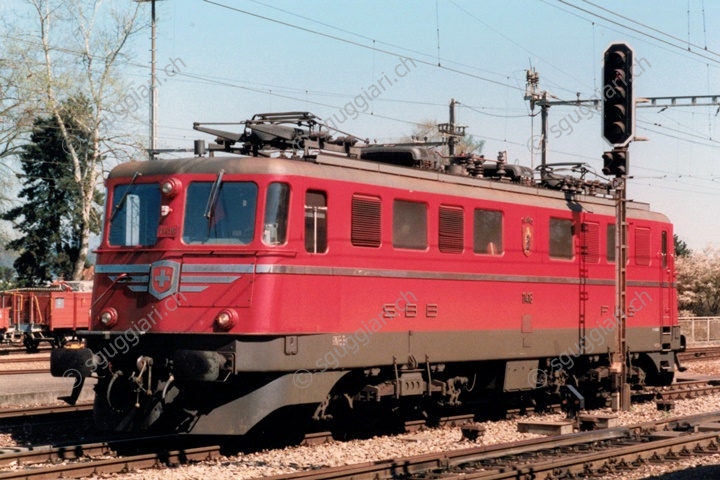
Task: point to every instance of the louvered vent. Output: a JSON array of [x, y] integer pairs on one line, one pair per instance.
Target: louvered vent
[[451, 230], [591, 242], [642, 246], [365, 222]]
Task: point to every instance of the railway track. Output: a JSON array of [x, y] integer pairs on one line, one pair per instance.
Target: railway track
[[13, 359], [25, 371], [596, 452], [700, 353], [8, 350], [23, 414], [82, 460], [679, 391], [569, 456], [36, 424]]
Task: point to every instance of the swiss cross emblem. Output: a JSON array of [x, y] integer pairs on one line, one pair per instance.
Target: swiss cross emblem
[[527, 236], [164, 277]]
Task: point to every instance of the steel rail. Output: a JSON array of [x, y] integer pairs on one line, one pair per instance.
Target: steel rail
[[610, 460], [112, 465], [10, 350], [699, 353], [29, 412], [25, 372], [443, 463], [10, 360]]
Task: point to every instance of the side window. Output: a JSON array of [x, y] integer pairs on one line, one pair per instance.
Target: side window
[[451, 230], [561, 238], [315, 221], [409, 225], [487, 232], [365, 228], [277, 202], [610, 243], [664, 249], [642, 246]]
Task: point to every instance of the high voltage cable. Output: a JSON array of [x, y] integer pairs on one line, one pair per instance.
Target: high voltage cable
[[350, 32], [298, 99], [546, 2], [589, 12], [489, 27], [334, 106], [679, 138], [358, 44], [474, 109], [651, 28]]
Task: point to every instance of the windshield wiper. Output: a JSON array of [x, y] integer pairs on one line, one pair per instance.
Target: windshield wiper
[[212, 198], [122, 200]]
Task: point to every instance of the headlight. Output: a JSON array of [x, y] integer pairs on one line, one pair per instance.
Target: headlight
[[170, 187], [226, 319]]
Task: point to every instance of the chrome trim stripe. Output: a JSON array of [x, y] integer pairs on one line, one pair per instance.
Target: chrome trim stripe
[[209, 268], [642, 283], [192, 288], [144, 268], [351, 272], [135, 288], [208, 279], [424, 275], [132, 279]]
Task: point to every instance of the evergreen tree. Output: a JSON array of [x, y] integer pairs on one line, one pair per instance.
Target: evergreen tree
[[49, 217], [681, 247]]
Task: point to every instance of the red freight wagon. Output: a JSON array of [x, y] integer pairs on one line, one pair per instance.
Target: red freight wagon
[[47, 314]]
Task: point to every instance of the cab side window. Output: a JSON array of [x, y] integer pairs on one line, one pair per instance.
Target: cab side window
[[277, 205], [315, 221]]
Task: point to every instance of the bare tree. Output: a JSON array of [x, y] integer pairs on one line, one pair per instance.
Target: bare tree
[[428, 130], [74, 47], [14, 122]]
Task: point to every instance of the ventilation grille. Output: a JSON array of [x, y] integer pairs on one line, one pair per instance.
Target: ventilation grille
[[451, 230], [365, 227], [642, 246], [591, 242]]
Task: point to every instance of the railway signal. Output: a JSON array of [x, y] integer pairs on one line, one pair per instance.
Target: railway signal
[[618, 98], [615, 162]]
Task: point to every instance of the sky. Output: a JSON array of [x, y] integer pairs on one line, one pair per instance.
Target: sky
[[226, 60]]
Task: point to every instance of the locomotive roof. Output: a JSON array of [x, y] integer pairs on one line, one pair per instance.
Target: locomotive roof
[[332, 167]]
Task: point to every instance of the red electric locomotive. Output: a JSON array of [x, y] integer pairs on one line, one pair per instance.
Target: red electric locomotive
[[331, 275]]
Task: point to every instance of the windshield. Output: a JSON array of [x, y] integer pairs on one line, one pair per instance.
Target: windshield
[[136, 216], [231, 218]]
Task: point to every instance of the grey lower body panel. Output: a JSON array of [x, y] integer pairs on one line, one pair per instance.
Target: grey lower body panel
[[324, 352], [238, 416], [222, 384]]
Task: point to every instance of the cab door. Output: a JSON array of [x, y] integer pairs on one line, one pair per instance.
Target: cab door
[[666, 279]]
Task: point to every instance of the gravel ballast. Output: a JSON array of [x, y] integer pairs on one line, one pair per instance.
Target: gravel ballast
[[277, 461]]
